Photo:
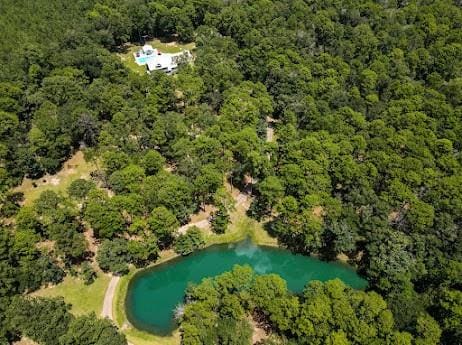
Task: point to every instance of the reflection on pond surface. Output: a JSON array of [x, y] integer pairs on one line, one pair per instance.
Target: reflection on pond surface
[[154, 293]]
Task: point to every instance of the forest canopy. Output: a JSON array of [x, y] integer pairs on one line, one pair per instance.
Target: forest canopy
[[365, 99]]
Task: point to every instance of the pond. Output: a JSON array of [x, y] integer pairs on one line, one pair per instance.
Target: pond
[[154, 293]]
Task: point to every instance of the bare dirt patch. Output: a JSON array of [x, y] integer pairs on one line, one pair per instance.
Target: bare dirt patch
[[46, 246], [343, 257], [203, 225], [259, 333], [55, 181], [318, 212], [91, 242], [25, 341]]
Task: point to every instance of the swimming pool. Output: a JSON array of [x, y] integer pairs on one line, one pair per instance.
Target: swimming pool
[[143, 60]]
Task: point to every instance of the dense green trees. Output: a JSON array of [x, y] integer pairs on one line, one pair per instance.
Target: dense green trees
[[190, 241], [326, 313], [365, 161], [102, 214], [48, 322], [40, 319], [115, 255]]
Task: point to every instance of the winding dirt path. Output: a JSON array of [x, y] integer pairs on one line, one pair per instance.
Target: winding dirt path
[[203, 224], [109, 297], [270, 129]]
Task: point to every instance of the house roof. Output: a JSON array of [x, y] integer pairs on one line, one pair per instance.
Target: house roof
[[147, 47]]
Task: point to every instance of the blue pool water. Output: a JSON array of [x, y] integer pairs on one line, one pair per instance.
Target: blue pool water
[[143, 59]]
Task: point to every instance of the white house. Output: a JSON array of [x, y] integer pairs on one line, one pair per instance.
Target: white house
[[158, 61], [147, 49], [167, 62]]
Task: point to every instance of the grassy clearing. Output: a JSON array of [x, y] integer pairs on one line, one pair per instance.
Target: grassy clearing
[[74, 168], [171, 48], [242, 227], [137, 337], [83, 298]]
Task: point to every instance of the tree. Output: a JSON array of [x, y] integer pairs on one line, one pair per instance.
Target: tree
[[10, 205], [127, 180], [152, 162], [163, 224], [110, 25], [207, 182], [80, 188], [231, 331], [89, 329], [219, 221], [88, 273], [271, 190], [43, 320], [102, 215], [47, 202], [191, 86], [190, 241], [114, 160], [143, 252], [170, 191], [71, 244], [428, 331], [113, 256], [449, 311]]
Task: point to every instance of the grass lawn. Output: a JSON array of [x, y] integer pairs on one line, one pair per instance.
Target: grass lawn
[[240, 228], [74, 168], [172, 47], [83, 298]]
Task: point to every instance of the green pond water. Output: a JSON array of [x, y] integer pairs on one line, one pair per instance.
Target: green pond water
[[154, 293]]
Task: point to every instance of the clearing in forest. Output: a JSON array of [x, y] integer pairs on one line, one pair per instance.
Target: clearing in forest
[[170, 47], [74, 168], [83, 298]]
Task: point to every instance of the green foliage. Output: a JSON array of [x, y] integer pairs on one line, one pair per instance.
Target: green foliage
[[364, 97], [127, 180], [163, 224], [42, 320], [152, 162], [190, 241], [113, 256], [103, 216], [207, 182], [10, 205], [91, 330], [144, 251], [24, 268], [48, 321], [170, 191], [220, 221], [87, 273], [326, 313], [80, 188]]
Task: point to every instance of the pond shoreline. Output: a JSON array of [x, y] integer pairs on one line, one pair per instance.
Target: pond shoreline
[[145, 288]]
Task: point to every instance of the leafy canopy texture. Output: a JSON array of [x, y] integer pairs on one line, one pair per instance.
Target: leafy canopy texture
[[342, 119], [326, 313]]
